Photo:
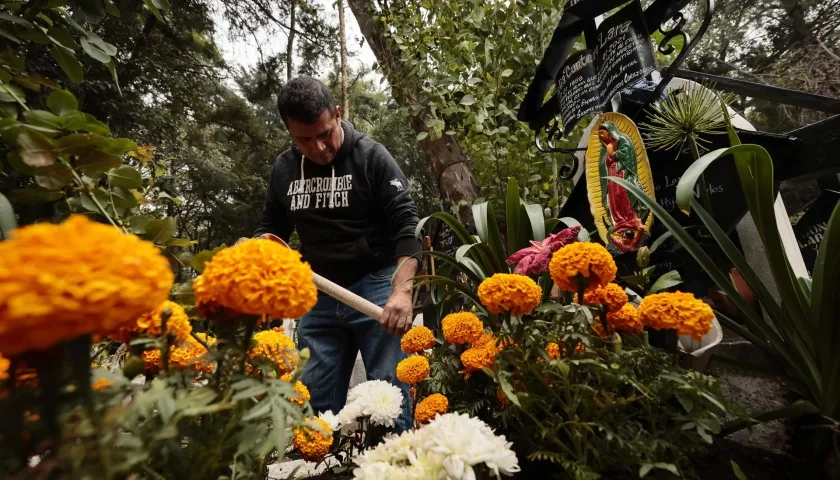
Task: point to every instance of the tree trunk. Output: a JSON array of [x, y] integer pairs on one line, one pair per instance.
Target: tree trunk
[[345, 97], [291, 43], [449, 164]]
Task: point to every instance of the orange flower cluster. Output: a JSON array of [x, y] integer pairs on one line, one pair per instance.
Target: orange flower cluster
[[5, 363], [275, 347], [553, 351], [611, 296], [78, 277], [476, 358], [257, 277], [626, 320], [413, 369], [677, 310], [510, 293], [299, 388], [587, 261], [430, 406], [101, 384], [417, 339], [187, 355], [313, 444], [460, 328], [149, 324]]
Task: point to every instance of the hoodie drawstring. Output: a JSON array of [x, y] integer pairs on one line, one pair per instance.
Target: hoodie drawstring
[[332, 179]]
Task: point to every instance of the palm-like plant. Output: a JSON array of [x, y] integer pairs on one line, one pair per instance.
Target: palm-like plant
[[803, 331]]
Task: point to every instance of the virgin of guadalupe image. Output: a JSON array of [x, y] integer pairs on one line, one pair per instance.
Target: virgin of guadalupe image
[[624, 219]]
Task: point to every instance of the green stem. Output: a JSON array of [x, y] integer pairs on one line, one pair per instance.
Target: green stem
[[164, 354], [90, 195], [250, 326], [701, 183]]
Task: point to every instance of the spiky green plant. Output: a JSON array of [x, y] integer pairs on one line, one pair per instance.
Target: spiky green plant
[[685, 117]]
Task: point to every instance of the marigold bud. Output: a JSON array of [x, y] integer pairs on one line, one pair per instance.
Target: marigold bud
[[643, 257]]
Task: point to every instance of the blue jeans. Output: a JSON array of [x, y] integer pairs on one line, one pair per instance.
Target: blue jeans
[[335, 333]]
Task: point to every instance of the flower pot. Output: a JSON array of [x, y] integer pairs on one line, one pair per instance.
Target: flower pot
[[696, 353], [664, 339]]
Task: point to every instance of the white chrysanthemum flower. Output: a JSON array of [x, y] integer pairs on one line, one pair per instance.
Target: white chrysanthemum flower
[[377, 399], [464, 442], [330, 418]]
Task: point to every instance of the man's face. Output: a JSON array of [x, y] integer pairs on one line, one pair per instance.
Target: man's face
[[319, 141]]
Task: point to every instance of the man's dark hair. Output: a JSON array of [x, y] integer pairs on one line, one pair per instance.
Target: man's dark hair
[[304, 99]]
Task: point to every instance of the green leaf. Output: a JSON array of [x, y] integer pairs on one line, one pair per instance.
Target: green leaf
[[11, 93], [166, 196], [62, 38], [537, 222], [43, 118], [62, 102], [507, 72], [54, 176], [78, 121], [508, 391], [94, 163], [93, 10], [9, 35], [78, 143], [825, 307], [739, 474], [68, 63], [118, 146], [125, 177], [7, 218], [34, 195], [659, 241], [422, 135], [666, 281], [468, 100], [159, 231], [123, 198], [138, 223], [94, 50], [512, 216], [35, 149], [113, 69], [180, 242], [154, 9], [202, 257], [484, 217]]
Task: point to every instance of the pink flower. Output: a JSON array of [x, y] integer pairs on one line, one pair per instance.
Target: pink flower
[[534, 260]]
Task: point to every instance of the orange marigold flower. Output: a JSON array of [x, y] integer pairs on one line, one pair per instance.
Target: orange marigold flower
[[277, 348], [553, 350], [476, 358], [417, 339], [611, 296], [462, 327], [78, 277], [510, 293], [313, 444], [4, 367], [101, 384], [677, 310], [626, 320], [589, 261], [430, 406], [188, 355], [149, 324], [413, 369], [300, 389], [257, 277]]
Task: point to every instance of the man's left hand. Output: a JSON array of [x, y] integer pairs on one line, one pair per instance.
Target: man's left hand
[[396, 315]]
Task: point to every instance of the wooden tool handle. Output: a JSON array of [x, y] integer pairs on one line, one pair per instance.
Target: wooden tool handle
[[337, 292], [347, 297]]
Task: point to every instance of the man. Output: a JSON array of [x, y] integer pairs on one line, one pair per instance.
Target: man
[[355, 218]]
